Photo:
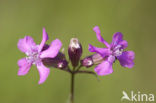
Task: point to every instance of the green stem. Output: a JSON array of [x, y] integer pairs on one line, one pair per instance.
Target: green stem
[[73, 73], [79, 68], [72, 87]]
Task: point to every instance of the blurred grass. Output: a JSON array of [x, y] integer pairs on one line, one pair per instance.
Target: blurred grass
[[65, 19]]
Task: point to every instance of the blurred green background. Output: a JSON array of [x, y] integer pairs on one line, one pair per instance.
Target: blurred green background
[[65, 19]]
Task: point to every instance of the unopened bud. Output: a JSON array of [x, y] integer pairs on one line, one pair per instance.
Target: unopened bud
[[58, 62], [74, 51], [62, 64], [92, 60], [87, 62]]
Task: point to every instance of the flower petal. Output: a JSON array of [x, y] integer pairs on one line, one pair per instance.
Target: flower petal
[[26, 44], [104, 68], [126, 59], [124, 44], [53, 50], [102, 51], [44, 39], [117, 37], [99, 37], [118, 40], [24, 66], [43, 71]]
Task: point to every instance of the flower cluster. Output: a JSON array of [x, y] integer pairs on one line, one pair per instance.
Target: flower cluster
[[44, 56]]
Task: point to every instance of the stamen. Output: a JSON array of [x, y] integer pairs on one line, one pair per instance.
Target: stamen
[[111, 58], [118, 52], [117, 47], [33, 55]]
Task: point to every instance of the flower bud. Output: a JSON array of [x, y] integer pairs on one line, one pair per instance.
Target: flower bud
[[92, 60], [74, 51], [87, 62], [58, 62]]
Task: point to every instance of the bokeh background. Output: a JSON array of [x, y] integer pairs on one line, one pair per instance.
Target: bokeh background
[[65, 19]]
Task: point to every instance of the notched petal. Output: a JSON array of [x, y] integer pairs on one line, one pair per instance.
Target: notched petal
[[102, 51], [53, 49], [117, 36], [99, 37], [105, 68], [124, 44], [44, 39], [26, 44], [43, 71], [126, 59], [24, 67]]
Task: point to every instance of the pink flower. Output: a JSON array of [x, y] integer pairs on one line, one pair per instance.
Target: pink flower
[[35, 54], [112, 52]]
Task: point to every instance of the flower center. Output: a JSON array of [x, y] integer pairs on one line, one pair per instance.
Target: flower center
[[33, 56], [111, 58], [117, 51]]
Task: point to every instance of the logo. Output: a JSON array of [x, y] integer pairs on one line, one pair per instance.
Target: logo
[[137, 96]]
